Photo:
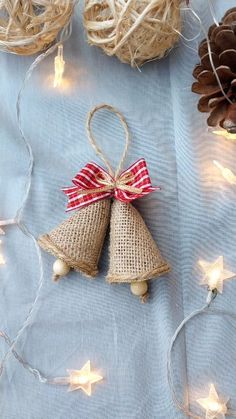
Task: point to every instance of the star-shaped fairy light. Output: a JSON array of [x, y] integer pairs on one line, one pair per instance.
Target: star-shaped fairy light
[[83, 379], [215, 274], [215, 408]]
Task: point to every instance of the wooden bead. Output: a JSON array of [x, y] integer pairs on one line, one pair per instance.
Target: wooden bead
[[139, 288], [60, 268]]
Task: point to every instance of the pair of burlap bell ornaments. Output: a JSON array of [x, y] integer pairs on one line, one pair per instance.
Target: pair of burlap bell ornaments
[[101, 199]]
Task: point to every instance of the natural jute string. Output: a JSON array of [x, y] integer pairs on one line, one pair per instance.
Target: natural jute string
[[109, 183], [95, 146]]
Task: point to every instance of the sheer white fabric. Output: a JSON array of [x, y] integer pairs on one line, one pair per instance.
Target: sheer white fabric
[[192, 217]]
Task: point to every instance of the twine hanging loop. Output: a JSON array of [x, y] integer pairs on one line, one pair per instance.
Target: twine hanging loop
[[94, 144], [94, 183]]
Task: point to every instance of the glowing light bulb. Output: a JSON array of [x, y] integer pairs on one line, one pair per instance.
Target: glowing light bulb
[[2, 260], [225, 134], [4, 223], [83, 379], [226, 173], [214, 278], [215, 408], [59, 65], [215, 274]]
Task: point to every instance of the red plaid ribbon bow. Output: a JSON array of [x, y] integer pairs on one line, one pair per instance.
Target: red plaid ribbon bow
[[93, 183]]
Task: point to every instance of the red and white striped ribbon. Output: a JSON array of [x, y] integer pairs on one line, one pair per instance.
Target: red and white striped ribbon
[[93, 178]]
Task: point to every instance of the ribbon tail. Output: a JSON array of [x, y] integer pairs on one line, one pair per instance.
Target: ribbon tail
[[69, 190]]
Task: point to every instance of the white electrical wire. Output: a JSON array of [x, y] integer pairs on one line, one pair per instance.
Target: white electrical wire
[[64, 35], [206, 309], [190, 9]]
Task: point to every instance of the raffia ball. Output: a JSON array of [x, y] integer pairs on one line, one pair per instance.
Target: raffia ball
[[136, 31], [27, 27]]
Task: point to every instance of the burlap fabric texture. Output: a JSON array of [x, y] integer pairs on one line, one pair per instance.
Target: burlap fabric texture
[[78, 241], [134, 256]]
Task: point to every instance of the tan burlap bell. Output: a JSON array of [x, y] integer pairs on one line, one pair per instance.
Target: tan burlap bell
[[134, 256], [78, 241]]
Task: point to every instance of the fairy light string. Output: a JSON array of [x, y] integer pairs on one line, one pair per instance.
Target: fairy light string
[[202, 28], [76, 379], [211, 59], [82, 379], [206, 309], [214, 275], [215, 406], [212, 12], [64, 35]]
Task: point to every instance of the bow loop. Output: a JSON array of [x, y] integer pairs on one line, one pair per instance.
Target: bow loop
[[93, 183]]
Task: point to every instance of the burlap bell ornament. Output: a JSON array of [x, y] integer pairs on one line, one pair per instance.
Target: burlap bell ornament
[[220, 50], [133, 255], [78, 241]]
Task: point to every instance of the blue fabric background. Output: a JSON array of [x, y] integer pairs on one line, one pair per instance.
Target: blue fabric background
[[193, 217]]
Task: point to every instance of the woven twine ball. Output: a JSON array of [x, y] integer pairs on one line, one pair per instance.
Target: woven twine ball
[[135, 31], [27, 27]]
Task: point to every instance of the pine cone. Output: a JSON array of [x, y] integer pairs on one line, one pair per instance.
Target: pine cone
[[223, 46]]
